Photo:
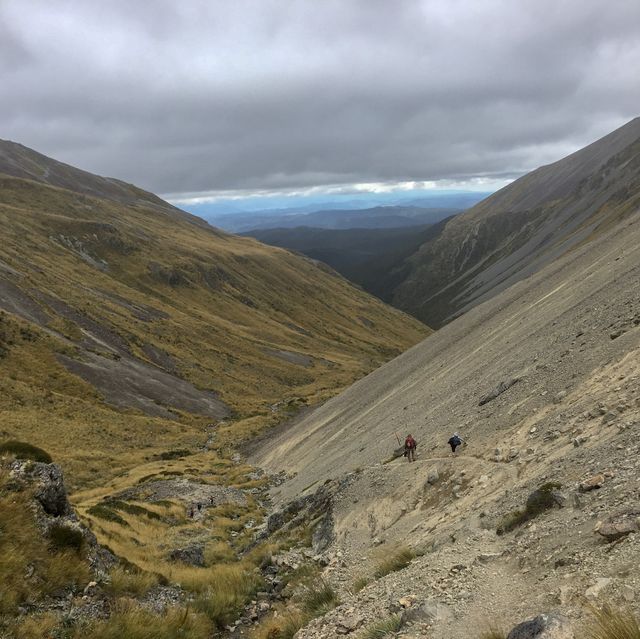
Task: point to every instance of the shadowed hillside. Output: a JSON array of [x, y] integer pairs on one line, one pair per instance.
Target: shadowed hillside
[[523, 227]]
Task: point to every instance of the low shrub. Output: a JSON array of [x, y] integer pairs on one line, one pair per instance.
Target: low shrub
[[132, 509], [538, 502], [63, 537], [174, 454], [22, 450], [104, 512], [493, 633]]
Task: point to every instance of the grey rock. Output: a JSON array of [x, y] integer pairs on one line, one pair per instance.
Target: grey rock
[[191, 555], [545, 626], [50, 491]]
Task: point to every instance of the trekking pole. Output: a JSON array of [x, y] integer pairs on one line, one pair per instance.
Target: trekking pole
[[398, 438]]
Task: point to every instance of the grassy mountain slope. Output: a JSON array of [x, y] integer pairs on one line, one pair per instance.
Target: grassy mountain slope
[[522, 227], [129, 325]]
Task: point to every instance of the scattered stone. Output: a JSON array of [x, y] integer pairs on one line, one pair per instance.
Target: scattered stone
[[593, 592], [619, 525], [433, 477], [593, 483]]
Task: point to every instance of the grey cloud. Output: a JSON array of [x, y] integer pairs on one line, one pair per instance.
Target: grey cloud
[[197, 95]]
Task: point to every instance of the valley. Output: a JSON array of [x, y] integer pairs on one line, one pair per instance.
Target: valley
[[226, 417]]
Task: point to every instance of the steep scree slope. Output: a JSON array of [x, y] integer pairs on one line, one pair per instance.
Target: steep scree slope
[[570, 335]]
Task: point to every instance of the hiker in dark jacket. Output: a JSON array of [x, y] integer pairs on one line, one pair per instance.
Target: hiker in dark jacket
[[410, 448], [454, 441]]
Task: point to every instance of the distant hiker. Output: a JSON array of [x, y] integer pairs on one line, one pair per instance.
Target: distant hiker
[[410, 448], [454, 441]]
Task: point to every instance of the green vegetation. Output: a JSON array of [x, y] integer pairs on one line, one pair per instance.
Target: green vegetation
[[611, 623], [22, 450], [393, 559], [105, 512], [63, 537], [319, 599], [25, 551], [538, 502], [383, 628]]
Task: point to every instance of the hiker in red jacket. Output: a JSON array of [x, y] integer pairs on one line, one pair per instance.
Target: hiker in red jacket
[[410, 448]]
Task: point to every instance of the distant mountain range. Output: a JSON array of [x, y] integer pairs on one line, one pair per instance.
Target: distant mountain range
[[391, 210]]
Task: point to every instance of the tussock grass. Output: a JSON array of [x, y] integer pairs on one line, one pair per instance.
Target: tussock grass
[[360, 583], [611, 623], [25, 550], [383, 628], [284, 626], [129, 621], [319, 598], [223, 590], [130, 582], [391, 559], [62, 537]]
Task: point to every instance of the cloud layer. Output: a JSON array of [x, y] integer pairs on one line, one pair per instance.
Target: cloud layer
[[272, 94]]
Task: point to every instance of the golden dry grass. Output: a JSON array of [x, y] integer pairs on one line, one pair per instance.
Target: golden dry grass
[[25, 551]]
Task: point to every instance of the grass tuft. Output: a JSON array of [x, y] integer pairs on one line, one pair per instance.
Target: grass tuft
[[360, 583], [383, 628], [319, 599], [393, 559], [611, 623]]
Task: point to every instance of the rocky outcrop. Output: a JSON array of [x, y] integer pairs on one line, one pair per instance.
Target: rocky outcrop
[[48, 484], [52, 509]]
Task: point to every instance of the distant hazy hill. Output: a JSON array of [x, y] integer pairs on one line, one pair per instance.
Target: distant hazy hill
[[385, 217], [128, 324], [373, 258], [523, 227]]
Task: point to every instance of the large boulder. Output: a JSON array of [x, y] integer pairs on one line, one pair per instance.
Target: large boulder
[[48, 482], [546, 626]]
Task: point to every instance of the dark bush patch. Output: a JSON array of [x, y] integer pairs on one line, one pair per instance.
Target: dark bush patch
[[63, 537], [538, 501], [104, 512], [174, 454], [22, 450], [132, 509]]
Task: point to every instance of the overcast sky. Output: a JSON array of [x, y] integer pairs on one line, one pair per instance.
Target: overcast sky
[[194, 96]]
